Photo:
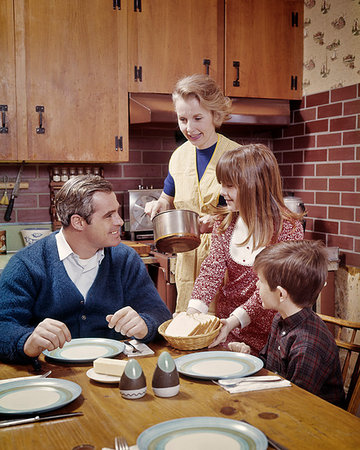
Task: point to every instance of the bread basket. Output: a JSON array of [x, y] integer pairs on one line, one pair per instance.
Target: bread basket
[[189, 342]]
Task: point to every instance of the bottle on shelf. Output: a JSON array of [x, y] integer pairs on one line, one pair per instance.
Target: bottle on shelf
[[64, 174], [56, 174]]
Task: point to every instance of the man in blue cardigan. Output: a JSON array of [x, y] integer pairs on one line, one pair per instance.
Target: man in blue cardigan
[[77, 282]]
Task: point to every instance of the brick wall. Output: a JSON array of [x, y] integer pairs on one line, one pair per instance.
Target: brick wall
[[319, 157]]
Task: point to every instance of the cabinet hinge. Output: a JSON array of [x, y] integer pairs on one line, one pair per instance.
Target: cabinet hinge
[[294, 19], [137, 5], [138, 73], [118, 143], [3, 129], [294, 82]]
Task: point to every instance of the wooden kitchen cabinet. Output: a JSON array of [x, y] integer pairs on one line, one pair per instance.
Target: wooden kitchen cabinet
[[170, 39], [71, 92], [265, 38]]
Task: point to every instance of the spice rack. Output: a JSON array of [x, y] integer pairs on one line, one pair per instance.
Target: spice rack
[[58, 176]]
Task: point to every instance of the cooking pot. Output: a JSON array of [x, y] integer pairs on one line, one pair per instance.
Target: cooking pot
[[176, 230]]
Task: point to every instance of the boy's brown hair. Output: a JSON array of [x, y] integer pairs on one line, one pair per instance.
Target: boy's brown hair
[[300, 267]]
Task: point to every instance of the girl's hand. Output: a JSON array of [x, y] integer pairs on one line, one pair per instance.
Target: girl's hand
[[228, 325]]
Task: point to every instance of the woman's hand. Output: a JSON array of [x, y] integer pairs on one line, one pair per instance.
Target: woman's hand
[[163, 203], [206, 223]]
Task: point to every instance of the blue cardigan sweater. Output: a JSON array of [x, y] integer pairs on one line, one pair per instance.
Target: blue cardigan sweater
[[34, 285]]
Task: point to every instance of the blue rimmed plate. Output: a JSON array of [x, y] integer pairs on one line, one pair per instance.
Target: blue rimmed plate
[[36, 395], [215, 365], [212, 433], [83, 350]]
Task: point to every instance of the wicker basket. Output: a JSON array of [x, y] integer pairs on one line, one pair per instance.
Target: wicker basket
[[189, 342]]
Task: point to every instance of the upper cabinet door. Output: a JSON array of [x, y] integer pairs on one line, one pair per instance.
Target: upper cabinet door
[[71, 94], [264, 48], [170, 39], [8, 126]]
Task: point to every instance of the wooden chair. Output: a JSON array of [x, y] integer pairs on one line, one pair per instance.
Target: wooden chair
[[345, 335]]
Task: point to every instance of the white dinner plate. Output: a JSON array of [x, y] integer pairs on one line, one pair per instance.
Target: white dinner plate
[[36, 395], [83, 350], [215, 365], [102, 378], [210, 433]]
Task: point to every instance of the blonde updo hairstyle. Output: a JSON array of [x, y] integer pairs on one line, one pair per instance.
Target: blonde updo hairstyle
[[207, 92]]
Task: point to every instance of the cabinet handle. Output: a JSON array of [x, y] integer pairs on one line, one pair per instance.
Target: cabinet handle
[[137, 5], [138, 73], [118, 143], [293, 86], [117, 4], [3, 129], [207, 63], [294, 19], [40, 110], [236, 82]]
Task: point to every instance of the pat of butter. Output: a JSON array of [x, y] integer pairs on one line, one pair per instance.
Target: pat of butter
[[107, 366]]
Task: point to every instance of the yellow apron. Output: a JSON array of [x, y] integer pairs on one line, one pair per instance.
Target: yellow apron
[[196, 196]]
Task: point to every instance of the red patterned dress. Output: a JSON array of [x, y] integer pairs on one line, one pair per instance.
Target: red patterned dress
[[240, 288]]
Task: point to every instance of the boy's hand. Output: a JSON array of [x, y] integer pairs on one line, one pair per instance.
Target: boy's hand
[[240, 347]]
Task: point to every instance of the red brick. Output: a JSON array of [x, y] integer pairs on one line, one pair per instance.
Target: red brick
[[304, 142], [358, 184], [329, 140], [294, 130], [293, 183], [285, 170], [348, 199], [341, 153], [317, 99], [145, 171], [328, 169], [304, 115], [315, 155], [351, 168], [350, 229], [317, 211], [292, 157], [278, 156], [342, 242], [337, 212], [357, 215], [304, 170], [332, 110], [351, 138], [357, 246], [352, 259], [27, 201], [327, 198], [125, 185], [142, 143], [156, 157], [316, 184], [344, 123], [342, 184], [113, 170], [326, 226], [344, 93], [351, 107], [27, 215], [317, 126], [44, 200], [156, 183], [307, 197], [283, 144]]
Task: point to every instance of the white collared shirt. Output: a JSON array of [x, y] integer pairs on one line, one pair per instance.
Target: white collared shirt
[[82, 272]]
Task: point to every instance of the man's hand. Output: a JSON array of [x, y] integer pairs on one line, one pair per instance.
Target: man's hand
[[48, 335], [128, 322]]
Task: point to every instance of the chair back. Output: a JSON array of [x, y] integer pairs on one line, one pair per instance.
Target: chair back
[[345, 334]]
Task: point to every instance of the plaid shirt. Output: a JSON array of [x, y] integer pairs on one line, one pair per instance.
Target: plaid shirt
[[301, 349]]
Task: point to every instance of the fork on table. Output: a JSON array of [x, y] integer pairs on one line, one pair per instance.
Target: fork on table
[[120, 443]]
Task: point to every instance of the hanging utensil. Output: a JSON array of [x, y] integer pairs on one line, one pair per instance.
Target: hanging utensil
[[5, 199], [14, 194]]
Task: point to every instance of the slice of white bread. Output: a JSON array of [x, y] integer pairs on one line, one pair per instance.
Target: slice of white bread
[[192, 324], [107, 366]]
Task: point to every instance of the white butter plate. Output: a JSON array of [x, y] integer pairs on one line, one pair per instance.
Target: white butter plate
[[83, 350], [36, 395], [215, 365], [210, 433], [102, 378]]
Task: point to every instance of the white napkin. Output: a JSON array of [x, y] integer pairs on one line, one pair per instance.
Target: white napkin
[[6, 380], [143, 349], [256, 386]]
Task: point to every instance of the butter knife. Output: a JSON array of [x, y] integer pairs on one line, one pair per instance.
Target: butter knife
[[11, 422]]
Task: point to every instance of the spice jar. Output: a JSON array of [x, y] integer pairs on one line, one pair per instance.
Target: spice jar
[[64, 174], [56, 174]]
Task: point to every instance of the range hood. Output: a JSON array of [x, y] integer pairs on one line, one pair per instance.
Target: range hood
[[159, 108]]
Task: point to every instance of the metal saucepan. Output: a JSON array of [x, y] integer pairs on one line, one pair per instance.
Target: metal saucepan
[[176, 230]]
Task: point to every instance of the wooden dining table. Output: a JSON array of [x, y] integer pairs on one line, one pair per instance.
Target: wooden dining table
[[290, 415]]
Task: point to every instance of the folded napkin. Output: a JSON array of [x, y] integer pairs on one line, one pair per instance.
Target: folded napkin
[[142, 349], [255, 386]]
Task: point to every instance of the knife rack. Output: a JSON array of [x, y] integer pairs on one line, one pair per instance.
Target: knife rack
[[11, 185]]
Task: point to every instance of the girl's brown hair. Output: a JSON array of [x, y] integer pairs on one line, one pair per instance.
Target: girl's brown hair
[[254, 171], [300, 267], [207, 92]]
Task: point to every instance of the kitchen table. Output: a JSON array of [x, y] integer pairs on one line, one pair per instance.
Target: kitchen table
[[290, 415]]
